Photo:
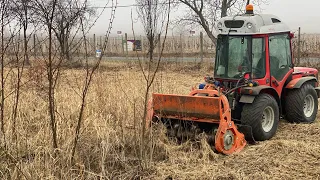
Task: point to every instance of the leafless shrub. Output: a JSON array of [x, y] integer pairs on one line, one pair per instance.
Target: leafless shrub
[[155, 17]]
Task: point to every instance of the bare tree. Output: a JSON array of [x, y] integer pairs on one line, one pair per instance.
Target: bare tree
[[21, 12], [63, 19], [207, 13], [46, 13], [67, 17], [89, 74], [155, 16], [7, 35], [152, 14]]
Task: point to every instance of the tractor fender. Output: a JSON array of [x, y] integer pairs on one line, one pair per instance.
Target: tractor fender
[[249, 93], [297, 83]]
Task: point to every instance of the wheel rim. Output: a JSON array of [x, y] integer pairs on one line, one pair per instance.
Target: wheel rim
[[308, 105], [267, 119]]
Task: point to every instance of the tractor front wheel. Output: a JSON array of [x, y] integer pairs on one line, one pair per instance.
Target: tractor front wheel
[[262, 115], [301, 105]]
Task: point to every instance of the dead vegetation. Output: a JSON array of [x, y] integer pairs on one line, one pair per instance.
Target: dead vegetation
[[109, 147]]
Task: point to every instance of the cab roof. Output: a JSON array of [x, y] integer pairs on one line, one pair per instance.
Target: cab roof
[[251, 24]]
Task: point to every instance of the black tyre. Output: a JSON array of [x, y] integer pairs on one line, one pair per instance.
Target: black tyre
[[262, 115], [301, 105]]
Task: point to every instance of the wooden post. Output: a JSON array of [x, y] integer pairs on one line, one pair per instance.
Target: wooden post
[[100, 42], [34, 45], [126, 44], [201, 46], [113, 47], [122, 45], [181, 46], [159, 45], [173, 48], [94, 43], [299, 46], [141, 44]]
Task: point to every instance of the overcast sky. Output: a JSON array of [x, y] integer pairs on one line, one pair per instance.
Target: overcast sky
[[294, 13]]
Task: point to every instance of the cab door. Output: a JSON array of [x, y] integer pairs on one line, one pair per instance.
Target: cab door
[[280, 60]]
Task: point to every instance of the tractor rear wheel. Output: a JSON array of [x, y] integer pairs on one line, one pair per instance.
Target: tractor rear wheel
[[262, 115], [301, 105]]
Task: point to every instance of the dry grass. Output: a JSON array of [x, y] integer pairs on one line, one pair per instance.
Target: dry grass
[[109, 142]]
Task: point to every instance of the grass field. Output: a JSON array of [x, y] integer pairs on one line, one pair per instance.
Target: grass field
[[109, 143]]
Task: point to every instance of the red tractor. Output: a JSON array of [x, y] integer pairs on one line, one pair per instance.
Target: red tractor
[[255, 84]]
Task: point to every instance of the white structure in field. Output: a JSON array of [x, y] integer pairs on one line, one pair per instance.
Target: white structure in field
[[98, 53], [130, 45]]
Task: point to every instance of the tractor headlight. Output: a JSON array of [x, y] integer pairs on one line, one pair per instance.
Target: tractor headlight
[[219, 25], [249, 25]]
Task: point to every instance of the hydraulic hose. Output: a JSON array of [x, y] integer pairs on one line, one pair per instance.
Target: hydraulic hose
[[235, 88]]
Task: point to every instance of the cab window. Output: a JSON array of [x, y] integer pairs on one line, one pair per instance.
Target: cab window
[[258, 58], [280, 55]]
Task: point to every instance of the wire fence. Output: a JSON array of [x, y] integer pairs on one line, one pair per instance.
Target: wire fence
[[175, 46]]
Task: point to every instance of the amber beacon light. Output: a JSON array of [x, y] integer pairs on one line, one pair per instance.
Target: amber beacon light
[[249, 9]]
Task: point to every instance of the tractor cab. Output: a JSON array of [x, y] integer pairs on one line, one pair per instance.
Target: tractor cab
[[255, 45]]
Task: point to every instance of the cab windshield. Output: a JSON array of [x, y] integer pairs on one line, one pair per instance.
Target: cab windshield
[[237, 55]]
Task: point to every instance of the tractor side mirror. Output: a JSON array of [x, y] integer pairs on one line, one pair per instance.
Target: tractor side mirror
[[291, 35]]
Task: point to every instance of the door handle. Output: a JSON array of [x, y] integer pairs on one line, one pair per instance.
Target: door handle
[[275, 82]]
